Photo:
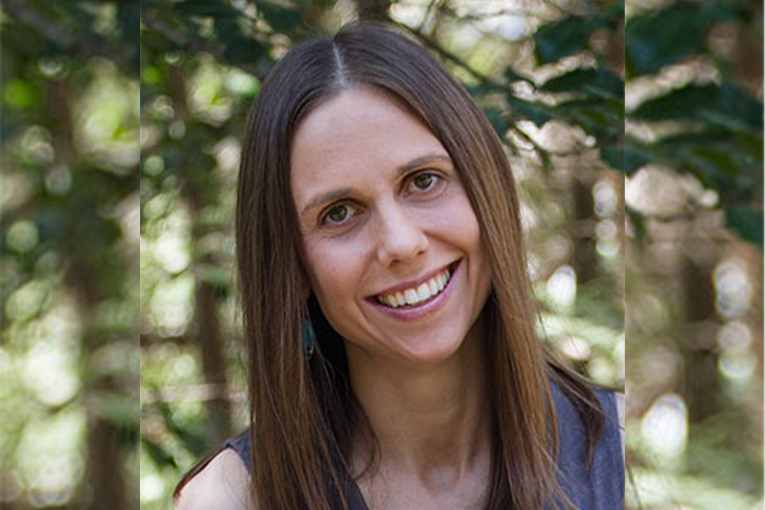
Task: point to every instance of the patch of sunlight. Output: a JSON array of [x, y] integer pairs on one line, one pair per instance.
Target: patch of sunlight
[[241, 83], [227, 154], [596, 335], [152, 487], [603, 371], [411, 14], [27, 301], [575, 348], [22, 236], [171, 250], [207, 99], [50, 461], [657, 489], [108, 113], [36, 146], [737, 366], [561, 288], [665, 429], [606, 199], [511, 27], [49, 372], [171, 306], [734, 290]]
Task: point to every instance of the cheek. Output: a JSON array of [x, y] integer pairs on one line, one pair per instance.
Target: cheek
[[332, 271]]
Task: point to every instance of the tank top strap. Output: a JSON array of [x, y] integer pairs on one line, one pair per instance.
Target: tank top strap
[[241, 445], [598, 485]]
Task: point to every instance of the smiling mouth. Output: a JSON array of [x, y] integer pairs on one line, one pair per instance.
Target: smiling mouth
[[417, 295]]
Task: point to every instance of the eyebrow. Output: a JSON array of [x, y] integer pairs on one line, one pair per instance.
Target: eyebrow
[[333, 195]]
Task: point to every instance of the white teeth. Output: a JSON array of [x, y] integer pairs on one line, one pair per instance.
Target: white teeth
[[422, 293]]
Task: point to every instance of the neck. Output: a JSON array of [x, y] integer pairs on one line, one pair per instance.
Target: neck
[[432, 421]]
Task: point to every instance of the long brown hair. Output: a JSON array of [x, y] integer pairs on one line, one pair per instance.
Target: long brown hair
[[303, 412]]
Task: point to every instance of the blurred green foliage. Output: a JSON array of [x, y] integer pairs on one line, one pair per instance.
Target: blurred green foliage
[[694, 157], [69, 272], [551, 80]]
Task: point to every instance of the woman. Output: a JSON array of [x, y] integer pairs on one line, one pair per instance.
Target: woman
[[394, 362]]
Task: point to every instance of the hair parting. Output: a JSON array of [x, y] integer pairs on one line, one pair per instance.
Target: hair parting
[[304, 414]]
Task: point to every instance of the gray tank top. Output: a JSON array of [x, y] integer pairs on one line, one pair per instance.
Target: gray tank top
[[599, 487]]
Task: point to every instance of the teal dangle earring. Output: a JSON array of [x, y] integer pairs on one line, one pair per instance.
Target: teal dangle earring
[[309, 338]]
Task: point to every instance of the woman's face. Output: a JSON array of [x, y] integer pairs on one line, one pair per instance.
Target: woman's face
[[391, 244]]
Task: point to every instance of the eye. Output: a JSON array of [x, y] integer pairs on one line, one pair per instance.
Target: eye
[[424, 181], [338, 215]]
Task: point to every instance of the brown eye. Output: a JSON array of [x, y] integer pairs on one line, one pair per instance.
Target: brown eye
[[339, 214], [423, 182]]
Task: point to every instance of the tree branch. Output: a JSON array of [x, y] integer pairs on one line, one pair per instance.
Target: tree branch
[[195, 44], [92, 47], [434, 46]]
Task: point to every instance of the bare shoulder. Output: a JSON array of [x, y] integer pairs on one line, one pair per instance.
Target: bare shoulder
[[224, 484]]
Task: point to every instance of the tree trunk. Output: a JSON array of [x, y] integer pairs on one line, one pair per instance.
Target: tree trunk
[[104, 455], [208, 335], [373, 10]]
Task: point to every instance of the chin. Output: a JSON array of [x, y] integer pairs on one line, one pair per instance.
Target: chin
[[431, 350]]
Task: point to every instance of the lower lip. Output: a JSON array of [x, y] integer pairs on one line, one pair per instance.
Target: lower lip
[[411, 313]]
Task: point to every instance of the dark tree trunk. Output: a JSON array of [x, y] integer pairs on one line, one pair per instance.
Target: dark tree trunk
[[373, 10], [208, 336], [106, 486]]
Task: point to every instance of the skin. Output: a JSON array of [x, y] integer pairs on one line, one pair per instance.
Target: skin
[[419, 381], [367, 226], [222, 484]]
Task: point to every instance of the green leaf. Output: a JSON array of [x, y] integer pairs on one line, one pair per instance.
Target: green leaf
[[497, 119], [678, 104], [727, 107], [214, 8], [660, 38], [559, 39], [637, 220], [243, 50], [281, 19], [594, 116], [596, 82], [635, 157], [614, 156], [191, 435], [537, 113], [511, 76], [158, 454], [747, 222]]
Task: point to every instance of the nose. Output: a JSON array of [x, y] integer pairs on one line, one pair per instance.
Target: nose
[[400, 237]]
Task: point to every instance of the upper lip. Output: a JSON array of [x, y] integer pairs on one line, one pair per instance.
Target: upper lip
[[413, 284]]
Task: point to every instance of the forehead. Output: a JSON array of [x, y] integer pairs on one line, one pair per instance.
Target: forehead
[[359, 134]]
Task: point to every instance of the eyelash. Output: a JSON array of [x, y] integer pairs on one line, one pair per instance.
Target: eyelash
[[436, 181]]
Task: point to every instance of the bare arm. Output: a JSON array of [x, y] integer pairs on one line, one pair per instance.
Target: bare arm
[[224, 484]]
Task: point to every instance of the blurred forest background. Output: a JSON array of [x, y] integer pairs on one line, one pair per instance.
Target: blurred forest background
[[635, 132], [69, 280]]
